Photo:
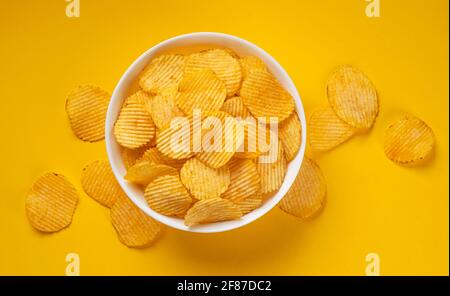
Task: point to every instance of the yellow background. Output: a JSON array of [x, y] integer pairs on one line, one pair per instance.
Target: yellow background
[[373, 204]]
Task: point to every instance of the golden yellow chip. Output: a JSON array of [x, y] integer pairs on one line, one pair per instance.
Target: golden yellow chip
[[98, 181], [162, 74], [212, 210], [51, 202], [306, 197], [249, 204], [226, 67], [272, 173], [222, 135], [156, 157], [130, 156], [163, 109], [290, 133], [250, 63], [353, 97], [166, 195], [134, 228], [256, 139], [201, 90], [140, 97], [245, 181], [86, 108], [202, 181], [134, 127], [235, 107], [265, 97], [327, 130], [144, 172], [408, 140], [176, 141]]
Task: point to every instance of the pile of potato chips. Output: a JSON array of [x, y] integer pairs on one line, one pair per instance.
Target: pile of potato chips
[[210, 186], [204, 186]]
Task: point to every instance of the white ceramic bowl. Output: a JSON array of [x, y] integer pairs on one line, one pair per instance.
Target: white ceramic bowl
[[189, 43]]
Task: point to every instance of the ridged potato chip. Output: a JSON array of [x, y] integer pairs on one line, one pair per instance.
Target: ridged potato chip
[[226, 67], [130, 156], [249, 204], [212, 210], [144, 172], [163, 109], [250, 63], [98, 181], [140, 97], [162, 74], [265, 97], [327, 130], [51, 202], [253, 145], [202, 181], [180, 129], [156, 157], [235, 107], [201, 90], [290, 133], [86, 108], [134, 228], [245, 181], [408, 140], [230, 133], [134, 127], [272, 173], [167, 195], [353, 97], [306, 197]]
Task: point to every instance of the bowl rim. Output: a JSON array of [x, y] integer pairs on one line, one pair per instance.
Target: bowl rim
[[117, 97]]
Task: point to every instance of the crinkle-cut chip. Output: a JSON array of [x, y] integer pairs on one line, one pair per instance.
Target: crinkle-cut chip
[[86, 108], [134, 127], [131, 156], [162, 74], [134, 228], [226, 67], [235, 107], [306, 197], [201, 90], [210, 211], [274, 148], [353, 97], [249, 204], [202, 181], [167, 195], [222, 135], [231, 52], [272, 174], [98, 181], [264, 97], [327, 130], [140, 97], [250, 63], [253, 145], [156, 157], [51, 202], [163, 109], [290, 134], [408, 140], [144, 172], [176, 141], [245, 181]]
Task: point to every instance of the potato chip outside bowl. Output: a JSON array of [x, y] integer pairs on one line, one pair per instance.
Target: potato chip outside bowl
[[182, 44]]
